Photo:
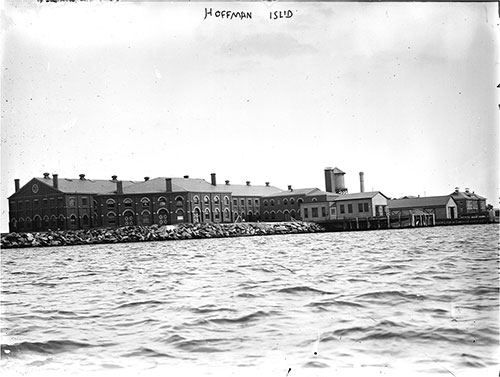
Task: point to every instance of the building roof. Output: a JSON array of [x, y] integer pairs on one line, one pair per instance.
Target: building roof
[[337, 171], [360, 195], [250, 190], [83, 186], [426, 201], [178, 185], [465, 195], [295, 192]]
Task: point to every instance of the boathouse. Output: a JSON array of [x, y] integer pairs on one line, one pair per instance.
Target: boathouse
[[442, 207]]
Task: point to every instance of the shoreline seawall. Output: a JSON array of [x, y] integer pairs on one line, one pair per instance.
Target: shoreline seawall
[[153, 233]]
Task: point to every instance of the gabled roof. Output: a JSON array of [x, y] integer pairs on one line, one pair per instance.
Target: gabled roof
[[337, 171], [426, 201], [360, 195], [250, 190], [465, 195], [295, 192], [158, 185], [83, 186]]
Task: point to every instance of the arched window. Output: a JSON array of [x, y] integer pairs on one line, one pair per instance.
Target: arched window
[[145, 202], [266, 215], [110, 203], [285, 201], [207, 215], [206, 200], [314, 200], [28, 223], [72, 220], [216, 200], [145, 217], [292, 213], [21, 224], [128, 203], [196, 215], [226, 200], [14, 224], [196, 199], [265, 203], [85, 220], [286, 215], [128, 218], [273, 215], [250, 216], [37, 222], [217, 214], [162, 201], [227, 215], [272, 202], [300, 200], [163, 217], [180, 214], [46, 222], [179, 202], [235, 216], [94, 202], [111, 218], [61, 222]]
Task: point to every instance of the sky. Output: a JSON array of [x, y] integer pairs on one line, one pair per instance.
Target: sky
[[405, 92]]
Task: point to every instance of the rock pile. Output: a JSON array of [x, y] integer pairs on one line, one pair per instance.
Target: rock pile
[[153, 233]]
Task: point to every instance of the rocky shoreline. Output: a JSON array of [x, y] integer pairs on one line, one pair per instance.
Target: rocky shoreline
[[153, 233]]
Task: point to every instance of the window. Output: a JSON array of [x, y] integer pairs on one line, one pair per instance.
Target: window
[[217, 214], [72, 220], [216, 200], [71, 202], [145, 217], [110, 203], [85, 220], [266, 215], [292, 201], [249, 202], [111, 218], [314, 212], [360, 207], [21, 223], [349, 208], [27, 204], [145, 202], [226, 200], [196, 200], [342, 210], [272, 204], [52, 202], [323, 211], [60, 201], [207, 215], [163, 217], [128, 203], [20, 205], [53, 222], [300, 200], [314, 200], [45, 202], [162, 201], [242, 202], [235, 202], [85, 201], [285, 202], [36, 203], [180, 214], [273, 215], [206, 200], [226, 214], [257, 202], [306, 213], [265, 203], [179, 202], [366, 207]]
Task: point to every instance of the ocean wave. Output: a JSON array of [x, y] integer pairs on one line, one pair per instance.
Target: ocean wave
[[304, 289], [392, 295], [334, 303], [243, 319], [48, 347], [147, 352], [138, 303]]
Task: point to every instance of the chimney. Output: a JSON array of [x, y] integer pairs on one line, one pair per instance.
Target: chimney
[[82, 177], [467, 190], [114, 177], [267, 184], [457, 190], [227, 182], [46, 175], [361, 181], [329, 182], [16, 184], [290, 188], [248, 183], [119, 187], [168, 182], [214, 181], [146, 179], [186, 176], [55, 181]]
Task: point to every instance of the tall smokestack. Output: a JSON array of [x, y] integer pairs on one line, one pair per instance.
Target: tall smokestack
[[168, 182], [329, 182], [16, 184], [119, 187], [214, 181], [55, 181], [361, 181]]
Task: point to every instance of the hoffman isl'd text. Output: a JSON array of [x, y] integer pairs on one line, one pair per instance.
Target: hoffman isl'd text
[[230, 15]]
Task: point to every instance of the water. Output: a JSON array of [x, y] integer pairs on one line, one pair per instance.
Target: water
[[418, 301]]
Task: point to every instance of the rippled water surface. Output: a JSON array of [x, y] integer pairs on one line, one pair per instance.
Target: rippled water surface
[[423, 301]]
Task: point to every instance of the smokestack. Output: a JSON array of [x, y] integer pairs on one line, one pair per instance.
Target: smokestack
[[168, 182], [16, 184], [55, 181], [267, 184], [46, 175], [248, 183], [329, 182], [214, 181], [82, 177], [227, 182], [119, 187], [361, 181]]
